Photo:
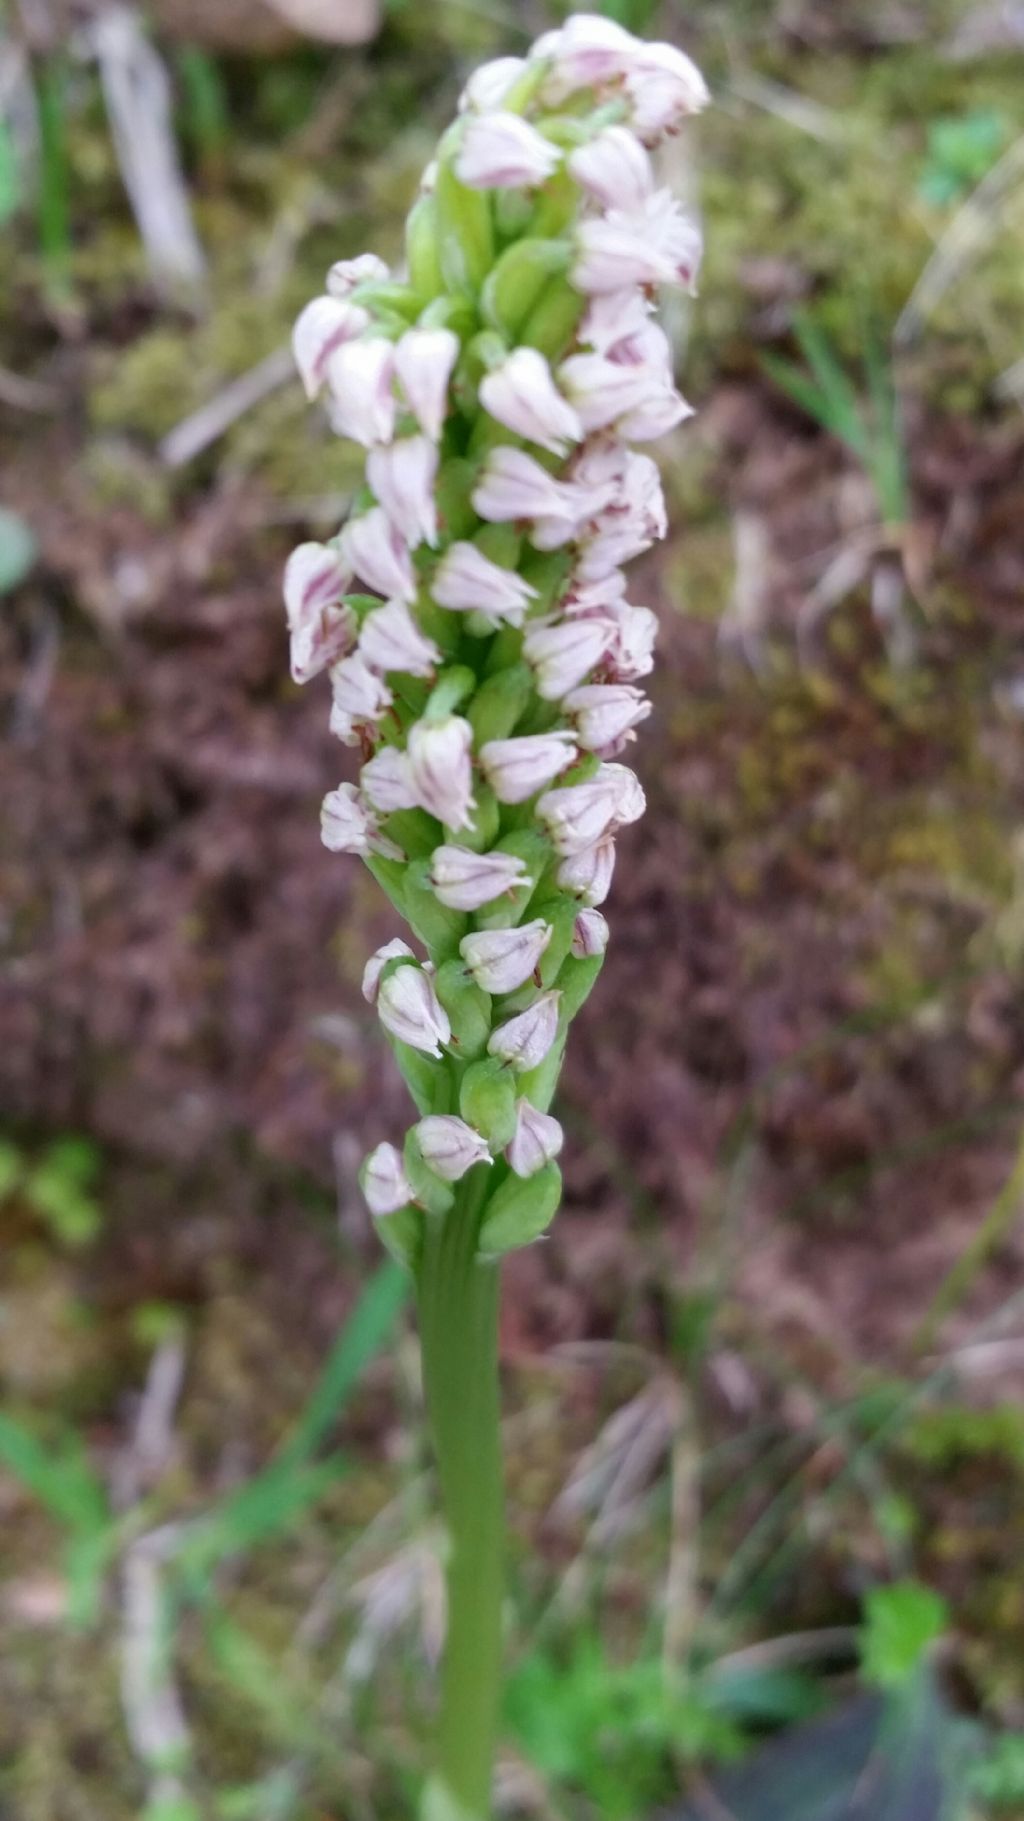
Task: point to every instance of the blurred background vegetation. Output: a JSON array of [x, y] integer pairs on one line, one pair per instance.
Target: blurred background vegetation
[[765, 1427]]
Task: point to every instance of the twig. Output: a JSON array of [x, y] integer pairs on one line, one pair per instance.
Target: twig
[[207, 425]]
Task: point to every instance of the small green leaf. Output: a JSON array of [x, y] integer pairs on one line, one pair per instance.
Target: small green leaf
[[901, 1621]]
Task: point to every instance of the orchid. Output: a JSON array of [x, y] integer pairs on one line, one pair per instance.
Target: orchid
[[489, 683]]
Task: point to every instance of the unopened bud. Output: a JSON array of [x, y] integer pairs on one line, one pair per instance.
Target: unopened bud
[[384, 1181], [537, 1140], [500, 960], [526, 1039], [450, 1146], [409, 1008]]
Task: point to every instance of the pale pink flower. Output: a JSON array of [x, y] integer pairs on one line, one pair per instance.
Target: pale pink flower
[[410, 1009], [385, 780], [500, 960], [589, 873], [404, 478], [466, 881], [561, 655], [614, 168], [514, 486], [360, 375], [378, 962], [604, 714], [609, 392], [654, 245], [468, 582], [390, 639], [635, 519], [385, 1184], [488, 85], [438, 754], [588, 52], [424, 359], [589, 934], [322, 627], [348, 826], [579, 815], [536, 1141], [449, 1146], [522, 395], [517, 768], [322, 327], [524, 1041], [614, 317], [358, 696], [373, 549], [346, 274], [504, 152], [664, 86], [631, 652]]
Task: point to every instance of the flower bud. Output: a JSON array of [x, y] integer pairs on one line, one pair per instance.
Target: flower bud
[[410, 1009], [358, 696], [589, 872], [384, 1181], [323, 326], [385, 781], [525, 1040], [604, 714], [360, 375], [390, 639], [500, 960], [377, 552], [450, 1146], [521, 395], [614, 168], [424, 359], [519, 1212], [322, 627], [488, 85], [504, 152], [378, 962], [590, 934], [467, 581], [403, 478], [561, 655], [465, 881], [536, 1141], [441, 770], [517, 769], [348, 826], [346, 274]]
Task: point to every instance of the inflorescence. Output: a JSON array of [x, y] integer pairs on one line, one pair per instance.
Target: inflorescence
[[489, 675]]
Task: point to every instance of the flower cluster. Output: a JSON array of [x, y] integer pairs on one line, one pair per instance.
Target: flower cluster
[[472, 615]]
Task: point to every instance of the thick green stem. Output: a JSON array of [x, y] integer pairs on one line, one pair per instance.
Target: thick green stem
[[458, 1298]]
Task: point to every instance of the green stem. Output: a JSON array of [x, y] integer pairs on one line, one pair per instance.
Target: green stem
[[458, 1299]]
